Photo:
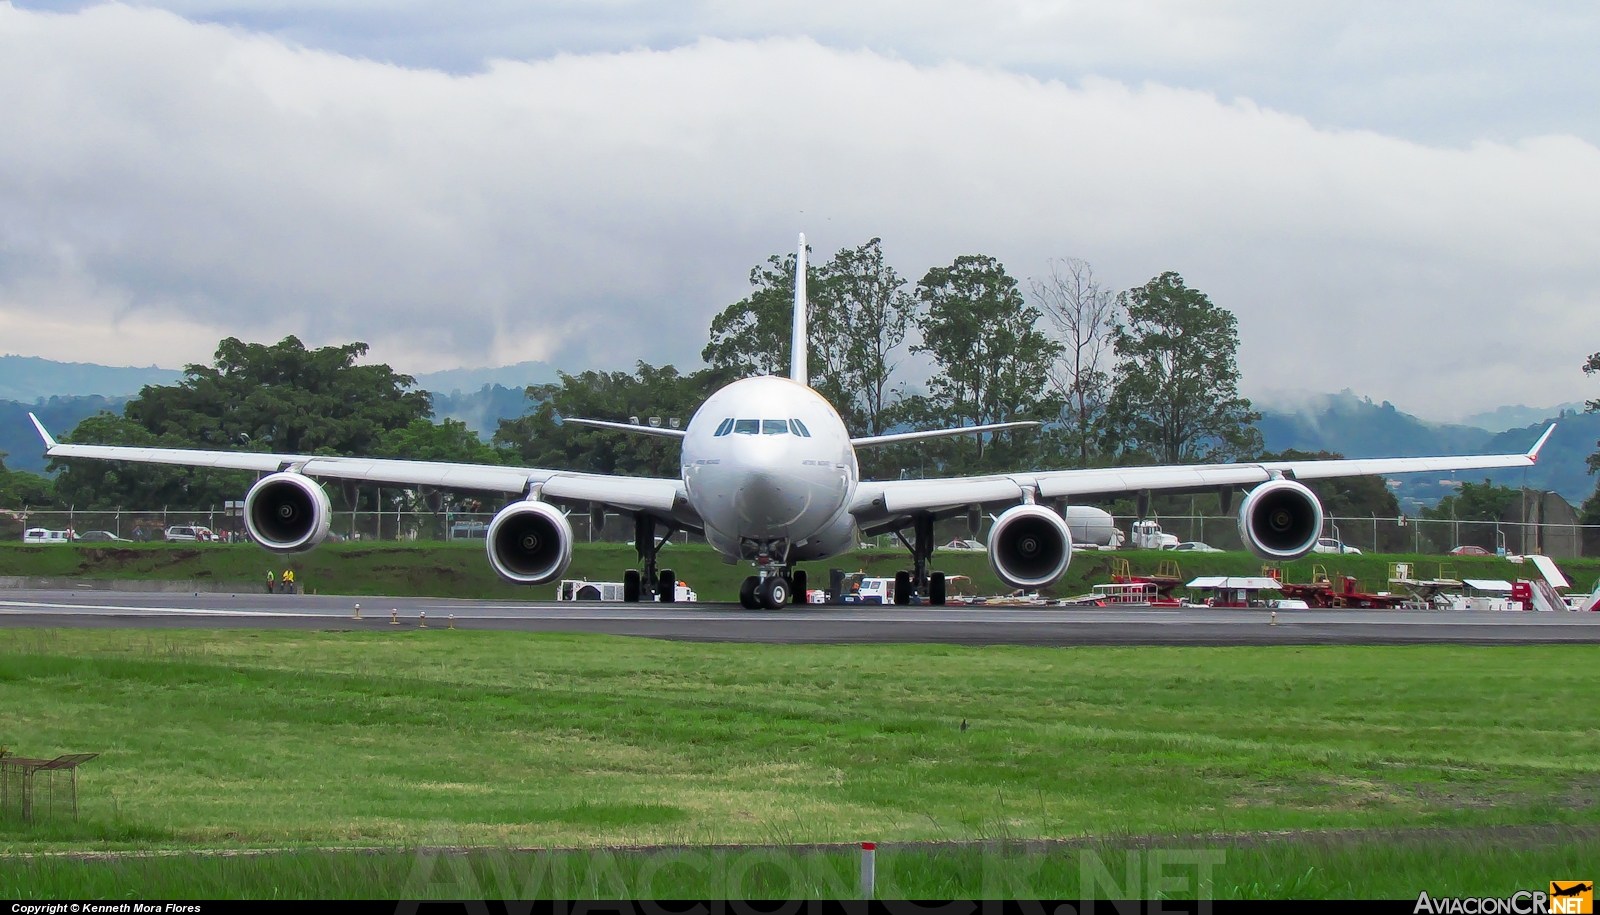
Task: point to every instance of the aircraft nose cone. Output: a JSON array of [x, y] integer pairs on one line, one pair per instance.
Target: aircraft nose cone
[[765, 503]]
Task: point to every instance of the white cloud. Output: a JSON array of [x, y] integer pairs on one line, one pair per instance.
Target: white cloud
[[162, 183]]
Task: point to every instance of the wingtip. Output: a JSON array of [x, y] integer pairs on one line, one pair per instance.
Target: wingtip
[[48, 441], [1533, 453]]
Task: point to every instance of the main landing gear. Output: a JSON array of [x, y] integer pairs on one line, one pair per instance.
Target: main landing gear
[[649, 584], [919, 581]]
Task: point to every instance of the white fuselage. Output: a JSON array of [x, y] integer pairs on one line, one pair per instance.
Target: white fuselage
[[769, 467]]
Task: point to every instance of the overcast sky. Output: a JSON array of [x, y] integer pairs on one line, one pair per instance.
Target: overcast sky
[[1401, 199]]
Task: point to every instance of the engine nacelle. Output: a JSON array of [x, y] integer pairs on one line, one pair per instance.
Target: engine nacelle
[[287, 512], [1029, 546], [530, 543], [1280, 520]]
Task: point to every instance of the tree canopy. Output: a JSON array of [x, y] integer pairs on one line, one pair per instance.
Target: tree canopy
[[254, 397], [1176, 394]]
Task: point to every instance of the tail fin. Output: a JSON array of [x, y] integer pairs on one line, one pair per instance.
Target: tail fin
[[797, 342]]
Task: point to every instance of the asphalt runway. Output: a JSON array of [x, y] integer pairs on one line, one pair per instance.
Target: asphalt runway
[[816, 624]]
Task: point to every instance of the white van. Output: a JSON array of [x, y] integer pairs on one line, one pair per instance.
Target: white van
[[40, 535]]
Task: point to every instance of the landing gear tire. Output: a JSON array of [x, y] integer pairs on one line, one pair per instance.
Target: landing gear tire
[[668, 587], [774, 592], [747, 593], [799, 579], [630, 586], [936, 589], [902, 588]]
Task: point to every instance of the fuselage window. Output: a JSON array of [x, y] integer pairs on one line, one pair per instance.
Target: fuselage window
[[799, 428], [726, 427], [774, 427], [747, 427]]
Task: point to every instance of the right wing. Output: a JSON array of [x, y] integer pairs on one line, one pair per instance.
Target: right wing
[[885, 503], [661, 497]]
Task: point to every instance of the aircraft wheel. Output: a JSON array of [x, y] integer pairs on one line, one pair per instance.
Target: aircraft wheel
[[936, 589], [668, 587], [747, 593], [902, 588], [630, 586], [799, 580], [774, 592]]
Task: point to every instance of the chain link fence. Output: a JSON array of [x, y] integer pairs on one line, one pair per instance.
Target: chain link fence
[[1370, 535]]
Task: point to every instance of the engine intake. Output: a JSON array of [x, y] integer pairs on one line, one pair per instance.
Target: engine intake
[[1280, 520], [1030, 546], [530, 543], [287, 512]]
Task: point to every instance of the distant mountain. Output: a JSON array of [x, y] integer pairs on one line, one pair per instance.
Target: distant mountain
[[21, 442], [1503, 418], [28, 378], [1356, 427], [521, 375], [483, 409]]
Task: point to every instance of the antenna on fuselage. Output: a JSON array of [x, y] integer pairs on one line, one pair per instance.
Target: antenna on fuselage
[[797, 341]]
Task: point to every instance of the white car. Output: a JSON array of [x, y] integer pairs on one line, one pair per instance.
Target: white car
[[185, 533], [1195, 546], [1330, 545], [964, 546]]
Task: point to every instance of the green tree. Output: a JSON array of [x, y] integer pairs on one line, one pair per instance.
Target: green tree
[[448, 440], [1589, 368], [992, 361], [254, 397], [20, 489], [1176, 391], [858, 330], [539, 438], [751, 336]]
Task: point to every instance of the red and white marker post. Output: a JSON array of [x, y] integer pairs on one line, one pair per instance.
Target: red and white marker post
[[869, 868]]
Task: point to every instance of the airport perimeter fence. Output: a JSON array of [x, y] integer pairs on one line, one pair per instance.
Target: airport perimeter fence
[[1370, 535]]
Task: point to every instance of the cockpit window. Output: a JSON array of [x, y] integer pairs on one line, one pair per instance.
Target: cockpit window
[[725, 427], [747, 427], [799, 428], [774, 427]]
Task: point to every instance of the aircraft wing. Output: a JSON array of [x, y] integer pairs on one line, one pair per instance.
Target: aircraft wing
[[659, 496], [875, 501]]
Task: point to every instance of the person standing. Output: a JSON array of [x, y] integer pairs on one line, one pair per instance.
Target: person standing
[[271, 584]]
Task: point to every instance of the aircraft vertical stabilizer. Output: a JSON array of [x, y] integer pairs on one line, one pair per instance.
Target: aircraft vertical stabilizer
[[797, 341]]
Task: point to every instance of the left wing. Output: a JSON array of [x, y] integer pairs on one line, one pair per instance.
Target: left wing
[[661, 497], [884, 500]]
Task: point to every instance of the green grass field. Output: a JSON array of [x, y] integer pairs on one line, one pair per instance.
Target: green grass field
[[239, 738], [462, 570]]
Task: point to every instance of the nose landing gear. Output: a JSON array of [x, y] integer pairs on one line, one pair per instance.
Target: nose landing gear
[[770, 592]]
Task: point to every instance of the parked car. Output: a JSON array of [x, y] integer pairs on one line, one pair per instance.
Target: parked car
[[185, 533], [1469, 550], [40, 535], [99, 537], [1195, 546], [1330, 545], [964, 546]]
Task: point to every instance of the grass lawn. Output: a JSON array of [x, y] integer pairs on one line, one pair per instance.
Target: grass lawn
[[462, 570], [237, 738], [1299, 868]]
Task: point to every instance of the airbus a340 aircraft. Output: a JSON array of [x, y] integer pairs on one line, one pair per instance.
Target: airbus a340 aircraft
[[769, 475]]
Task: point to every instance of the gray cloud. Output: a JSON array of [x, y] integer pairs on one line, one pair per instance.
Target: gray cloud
[[164, 182], [1436, 70]]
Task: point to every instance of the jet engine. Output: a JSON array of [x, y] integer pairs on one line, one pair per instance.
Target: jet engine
[[1280, 519], [530, 543], [1029, 546], [287, 512]]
